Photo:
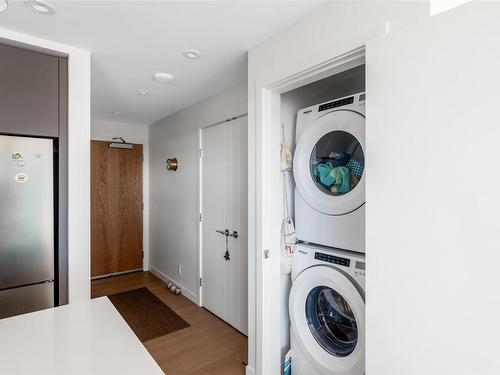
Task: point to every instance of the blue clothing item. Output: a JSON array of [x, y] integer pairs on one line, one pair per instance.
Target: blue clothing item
[[355, 167], [339, 158], [341, 179], [323, 172]]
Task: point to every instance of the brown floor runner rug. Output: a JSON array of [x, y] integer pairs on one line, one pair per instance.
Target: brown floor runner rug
[[146, 314]]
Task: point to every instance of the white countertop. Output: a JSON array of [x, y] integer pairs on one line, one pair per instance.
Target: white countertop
[[87, 337]]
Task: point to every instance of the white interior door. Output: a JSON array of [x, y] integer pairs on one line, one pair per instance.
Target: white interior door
[[213, 208], [224, 208], [432, 237]]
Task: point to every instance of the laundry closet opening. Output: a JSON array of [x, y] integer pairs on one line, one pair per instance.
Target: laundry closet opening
[[324, 196]]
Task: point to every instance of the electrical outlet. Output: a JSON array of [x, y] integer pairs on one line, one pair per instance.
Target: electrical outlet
[[179, 270]]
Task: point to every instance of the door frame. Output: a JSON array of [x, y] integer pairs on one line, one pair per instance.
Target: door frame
[[145, 193], [265, 210], [199, 201]]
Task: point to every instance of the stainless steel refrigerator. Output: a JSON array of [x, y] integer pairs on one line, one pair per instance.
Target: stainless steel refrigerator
[[26, 225]]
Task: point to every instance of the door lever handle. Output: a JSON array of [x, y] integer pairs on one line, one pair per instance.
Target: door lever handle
[[224, 232], [234, 234]]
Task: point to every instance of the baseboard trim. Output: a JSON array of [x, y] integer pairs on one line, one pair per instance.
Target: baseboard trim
[[117, 274], [185, 291], [249, 370]]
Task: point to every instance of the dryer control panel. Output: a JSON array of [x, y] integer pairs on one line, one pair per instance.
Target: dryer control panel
[[336, 103], [332, 259]]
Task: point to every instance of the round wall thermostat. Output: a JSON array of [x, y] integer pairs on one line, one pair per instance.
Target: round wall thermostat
[[172, 164]]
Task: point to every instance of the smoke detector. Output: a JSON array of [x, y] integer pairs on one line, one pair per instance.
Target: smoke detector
[[163, 77]]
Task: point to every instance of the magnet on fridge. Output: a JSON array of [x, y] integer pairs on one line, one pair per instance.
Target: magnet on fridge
[[17, 156], [21, 178]]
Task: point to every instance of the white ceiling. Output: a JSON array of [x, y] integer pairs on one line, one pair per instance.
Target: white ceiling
[[131, 40]]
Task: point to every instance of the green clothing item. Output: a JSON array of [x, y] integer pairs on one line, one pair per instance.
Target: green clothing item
[[341, 179]]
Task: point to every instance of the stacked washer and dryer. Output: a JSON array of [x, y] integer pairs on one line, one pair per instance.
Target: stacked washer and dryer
[[327, 303]]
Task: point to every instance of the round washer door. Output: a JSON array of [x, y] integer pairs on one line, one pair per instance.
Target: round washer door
[[327, 313], [330, 151]]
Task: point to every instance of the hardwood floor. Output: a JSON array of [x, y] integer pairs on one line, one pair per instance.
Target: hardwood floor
[[209, 346]]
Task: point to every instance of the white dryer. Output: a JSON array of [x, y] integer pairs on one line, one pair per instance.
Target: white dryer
[[328, 167], [327, 312]]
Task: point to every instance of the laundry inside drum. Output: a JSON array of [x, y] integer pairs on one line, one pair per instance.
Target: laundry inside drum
[[337, 163]]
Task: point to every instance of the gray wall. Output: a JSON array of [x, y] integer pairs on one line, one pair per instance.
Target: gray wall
[[173, 195]]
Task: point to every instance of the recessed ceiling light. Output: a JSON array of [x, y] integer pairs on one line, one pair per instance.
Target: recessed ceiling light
[[3, 5], [115, 112], [163, 77], [143, 92], [40, 6], [192, 54]]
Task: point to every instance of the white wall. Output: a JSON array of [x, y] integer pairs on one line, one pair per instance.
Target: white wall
[[173, 195], [432, 197], [335, 29], [105, 130], [78, 157], [130, 132], [439, 6]]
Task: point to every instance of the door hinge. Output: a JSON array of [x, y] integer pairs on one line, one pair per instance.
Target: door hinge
[[142, 204], [201, 152], [201, 217], [201, 281], [142, 254]]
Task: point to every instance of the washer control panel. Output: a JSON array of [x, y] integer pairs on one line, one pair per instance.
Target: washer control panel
[[332, 259]]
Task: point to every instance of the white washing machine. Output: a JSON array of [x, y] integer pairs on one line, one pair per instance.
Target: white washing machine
[[328, 167], [327, 312]]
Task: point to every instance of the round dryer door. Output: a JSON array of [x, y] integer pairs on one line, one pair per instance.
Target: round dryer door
[[327, 313], [329, 163]]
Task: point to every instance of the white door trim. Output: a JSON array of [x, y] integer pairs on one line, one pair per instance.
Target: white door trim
[[199, 247], [265, 208]]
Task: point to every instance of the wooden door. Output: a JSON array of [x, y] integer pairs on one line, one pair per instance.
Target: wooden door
[[224, 207], [116, 194]]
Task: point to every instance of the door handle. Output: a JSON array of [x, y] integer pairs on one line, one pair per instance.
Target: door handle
[[234, 234], [224, 232]]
